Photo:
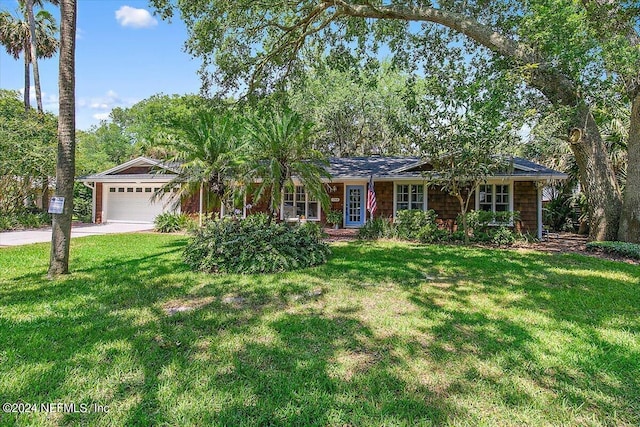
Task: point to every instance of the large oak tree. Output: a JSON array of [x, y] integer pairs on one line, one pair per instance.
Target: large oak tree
[[256, 45]]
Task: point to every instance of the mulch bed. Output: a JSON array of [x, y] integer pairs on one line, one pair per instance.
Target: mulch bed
[[340, 235]]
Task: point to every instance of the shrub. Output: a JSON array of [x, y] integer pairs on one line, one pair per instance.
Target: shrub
[[7, 222], [457, 236], [377, 228], [503, 236], [484, 221], [82, 202], [172, 222], [409, 223], [629, 250], [15, 221], [334, 217], [433, 234], [255, 245]]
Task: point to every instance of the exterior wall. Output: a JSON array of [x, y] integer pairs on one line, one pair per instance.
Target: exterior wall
[[99, 194], [384, 199], [190, 204], [525, 201], [446, 206]]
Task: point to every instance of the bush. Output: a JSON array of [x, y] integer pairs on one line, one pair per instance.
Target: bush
[[485, 221], [173, 222], [433, 234], [16, 221], [82, 202], [334, 217], [410, 223], [503, 236], [255, 245], [7, 222], [629, 250], [377, 228]]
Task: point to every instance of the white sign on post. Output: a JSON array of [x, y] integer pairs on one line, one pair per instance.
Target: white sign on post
[[56, 206]]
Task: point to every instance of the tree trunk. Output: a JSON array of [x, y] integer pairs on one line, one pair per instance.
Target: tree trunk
[[45, 194], [34, 53], [65, 168], [27, 79], [597, 177], [630, 219]]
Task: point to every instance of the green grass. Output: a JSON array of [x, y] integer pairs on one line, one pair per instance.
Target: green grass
[[400, 335]]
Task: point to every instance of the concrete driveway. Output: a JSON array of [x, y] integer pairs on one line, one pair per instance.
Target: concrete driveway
[[16, 238]]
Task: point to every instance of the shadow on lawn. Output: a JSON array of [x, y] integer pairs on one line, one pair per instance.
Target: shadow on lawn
[[103, 336], [480, 301]]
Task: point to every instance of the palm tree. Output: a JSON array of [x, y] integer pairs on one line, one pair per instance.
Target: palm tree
[[208, 152], [15, 36], [66, 162], [281, 150]]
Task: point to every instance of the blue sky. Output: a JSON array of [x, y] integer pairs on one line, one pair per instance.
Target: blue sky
[[123, 55]]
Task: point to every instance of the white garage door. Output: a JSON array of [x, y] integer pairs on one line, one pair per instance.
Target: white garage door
[[128, 203]]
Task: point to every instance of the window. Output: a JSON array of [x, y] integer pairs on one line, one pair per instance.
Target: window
[[138, 190], [121, 190], [299, 204], [112, 190], [148, 190], [129, 189], [410, 196], [493, 197]]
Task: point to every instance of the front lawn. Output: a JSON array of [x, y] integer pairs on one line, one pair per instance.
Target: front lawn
[[384, 334]]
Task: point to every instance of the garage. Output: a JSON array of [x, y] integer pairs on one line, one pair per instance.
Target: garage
[[132, 203], [123, 193]]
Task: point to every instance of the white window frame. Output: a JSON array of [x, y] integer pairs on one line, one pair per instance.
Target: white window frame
[[307, 201], [493, 184], [425, 194]]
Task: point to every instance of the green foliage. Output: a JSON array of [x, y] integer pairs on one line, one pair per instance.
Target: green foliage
[[484, 221], [27, 143], [82, 202], [358, 110], [255, 245], [503, 236], [24, 220], [334, 217], [625, 249], [421, 226], [410, 224], [279, 150], [210, 151], [377, 228], [172, 222]]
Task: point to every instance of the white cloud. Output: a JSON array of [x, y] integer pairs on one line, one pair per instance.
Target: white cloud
[[129, 16], [107, 102], [101, 116]]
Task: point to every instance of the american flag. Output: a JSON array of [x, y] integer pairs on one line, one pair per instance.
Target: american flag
[[372, 204]]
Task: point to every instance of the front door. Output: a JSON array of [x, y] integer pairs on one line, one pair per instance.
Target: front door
[[354, 216]]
